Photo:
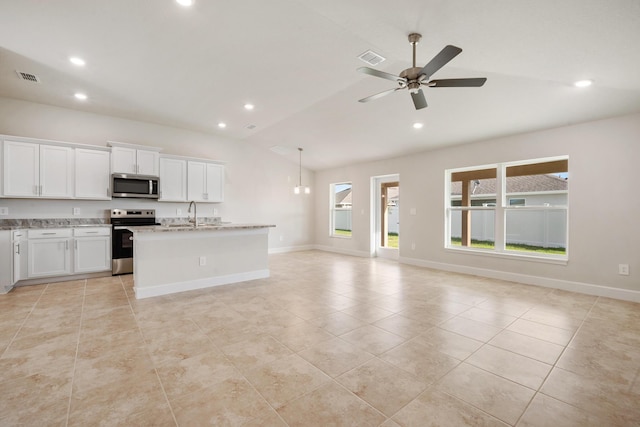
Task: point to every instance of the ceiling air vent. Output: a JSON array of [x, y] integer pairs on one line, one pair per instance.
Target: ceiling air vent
[[371, 58], [28, 76]]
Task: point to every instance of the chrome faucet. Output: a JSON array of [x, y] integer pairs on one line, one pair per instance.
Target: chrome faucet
[[195, 213]]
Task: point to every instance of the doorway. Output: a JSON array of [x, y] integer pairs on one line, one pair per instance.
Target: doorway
[[386, 234]]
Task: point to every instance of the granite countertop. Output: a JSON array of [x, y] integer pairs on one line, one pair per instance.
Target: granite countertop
[[189, 227], [20, 224]]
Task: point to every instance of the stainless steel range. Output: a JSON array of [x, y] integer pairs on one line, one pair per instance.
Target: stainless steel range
[[122, 237]]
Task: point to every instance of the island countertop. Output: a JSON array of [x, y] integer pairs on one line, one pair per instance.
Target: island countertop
[[191, 228]]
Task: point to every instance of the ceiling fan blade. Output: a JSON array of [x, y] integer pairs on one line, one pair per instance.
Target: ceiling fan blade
[[379, 95], [476, 82], [419, 101], [447, 54], [381, 74]]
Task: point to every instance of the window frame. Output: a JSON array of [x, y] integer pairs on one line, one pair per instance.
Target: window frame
[[501, 211], [333, 210]]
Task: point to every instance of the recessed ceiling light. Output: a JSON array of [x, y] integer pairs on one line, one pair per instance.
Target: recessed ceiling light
[[77, 61], [222, 125], [80, 96], [248, 106], [583, 83], [185, 3], [417, 125]]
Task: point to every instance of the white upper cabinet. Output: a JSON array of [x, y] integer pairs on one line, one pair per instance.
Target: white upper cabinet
[[37, 170], [132, 159], [92, 178], [173, 180], [205, 181]]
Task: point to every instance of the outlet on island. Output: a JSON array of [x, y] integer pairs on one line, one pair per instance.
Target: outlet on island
[[203, 261]]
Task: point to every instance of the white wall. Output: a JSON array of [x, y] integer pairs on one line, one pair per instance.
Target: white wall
[[259, 183], [604, 205]]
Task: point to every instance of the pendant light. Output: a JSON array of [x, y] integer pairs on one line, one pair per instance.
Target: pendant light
[[299, 188]]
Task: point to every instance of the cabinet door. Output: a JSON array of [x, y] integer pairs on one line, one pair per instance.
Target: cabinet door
[[173, 180], [6, 257], [92, 174], [148, 162], [56, 171], [21, 169], [123, 160], [196, 181], [215, 183], [49, 257], [92, 254]]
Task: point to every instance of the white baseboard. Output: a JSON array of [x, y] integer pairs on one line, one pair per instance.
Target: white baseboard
[[361, 254], [171, 288], [565, 285], [291, 249]]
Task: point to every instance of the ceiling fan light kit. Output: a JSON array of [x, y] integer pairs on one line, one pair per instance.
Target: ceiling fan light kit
[[415, 77]]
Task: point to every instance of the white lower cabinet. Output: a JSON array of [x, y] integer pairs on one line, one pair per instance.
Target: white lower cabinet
[[92, 250], [51, 251]]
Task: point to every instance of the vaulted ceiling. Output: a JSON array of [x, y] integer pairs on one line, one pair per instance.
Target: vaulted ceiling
[[296, 61]]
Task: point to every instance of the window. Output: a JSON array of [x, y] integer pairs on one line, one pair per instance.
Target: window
[[510, 208], [341, 197]]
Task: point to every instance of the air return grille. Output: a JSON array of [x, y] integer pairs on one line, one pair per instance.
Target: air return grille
[[28, 76], [371, 58]]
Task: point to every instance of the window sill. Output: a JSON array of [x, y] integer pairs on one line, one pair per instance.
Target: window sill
[[510, 255], [340, 237]]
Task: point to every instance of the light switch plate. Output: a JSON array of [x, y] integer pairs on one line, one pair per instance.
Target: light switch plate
[[4, 211], [76, 211]]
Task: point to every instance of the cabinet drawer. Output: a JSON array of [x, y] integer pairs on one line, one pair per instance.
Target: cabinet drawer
[[91, 231], [18, 234], [49, 233]]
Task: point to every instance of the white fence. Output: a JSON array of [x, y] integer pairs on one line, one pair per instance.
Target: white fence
[[342, 219], [545, 227]]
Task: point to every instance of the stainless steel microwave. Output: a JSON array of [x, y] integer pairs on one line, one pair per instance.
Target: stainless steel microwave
[[134, 186]]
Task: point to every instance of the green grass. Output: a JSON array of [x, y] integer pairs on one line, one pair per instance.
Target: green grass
[[487, 244], [345, 233]]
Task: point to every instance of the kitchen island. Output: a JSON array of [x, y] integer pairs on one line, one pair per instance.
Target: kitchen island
[[177, 258]]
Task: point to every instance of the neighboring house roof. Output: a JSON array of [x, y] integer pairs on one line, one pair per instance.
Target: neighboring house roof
[[516, 184], [343, 197]]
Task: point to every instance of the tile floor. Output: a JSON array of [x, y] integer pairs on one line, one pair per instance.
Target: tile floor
[[327, 340]]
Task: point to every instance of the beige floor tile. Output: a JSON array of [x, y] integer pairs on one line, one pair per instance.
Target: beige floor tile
[[337, 323], [301, 335], [108, 320], [537, 349], [180, 377], [233, 402], [254, 352], [512, 366], [335, 357], [286, 379], [372, 339], [489, 317], [402, 326], [390, 423], [383, 385], [268, 418], [109, 368], [160, 416], [116, 401], [434, 409], [554, 317], [545, 411], [367, 313], [544, 332], [470, 328], [448, 343], [497, 396], [425, 363], [614, 404], [330, 405], [617, 364], [38, 399]]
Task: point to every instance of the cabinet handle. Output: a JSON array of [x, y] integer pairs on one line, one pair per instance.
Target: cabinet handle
[[66, 245], [91, 232], [40, 190], [35, 190], [75, 246], [18, 249], [49, 234]]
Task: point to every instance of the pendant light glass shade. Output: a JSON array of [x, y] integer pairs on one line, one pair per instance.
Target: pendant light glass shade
[[299, 188]]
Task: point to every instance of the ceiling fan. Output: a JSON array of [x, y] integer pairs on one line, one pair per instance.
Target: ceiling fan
[[414, 77]]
